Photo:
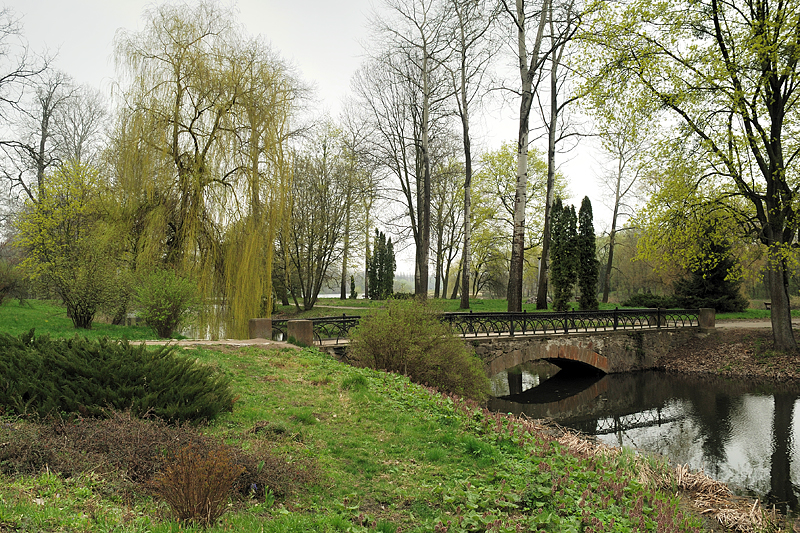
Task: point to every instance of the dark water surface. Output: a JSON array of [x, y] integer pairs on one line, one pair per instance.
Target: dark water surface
[[746, 434]]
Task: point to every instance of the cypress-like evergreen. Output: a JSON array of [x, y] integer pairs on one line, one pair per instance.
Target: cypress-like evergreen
[[588, 265], [381, 267], [563, 254]]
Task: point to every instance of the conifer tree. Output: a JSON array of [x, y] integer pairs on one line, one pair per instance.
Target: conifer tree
[[381, 267], [564, 254], [588, 265], [712, 286]]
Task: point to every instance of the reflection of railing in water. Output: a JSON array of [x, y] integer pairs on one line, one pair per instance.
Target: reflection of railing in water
[[488, 324], [642, 419]]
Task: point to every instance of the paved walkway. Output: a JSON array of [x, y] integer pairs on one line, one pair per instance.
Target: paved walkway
[[752, 324]]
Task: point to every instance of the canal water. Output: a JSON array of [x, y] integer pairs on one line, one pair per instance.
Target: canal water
[[746, 434]]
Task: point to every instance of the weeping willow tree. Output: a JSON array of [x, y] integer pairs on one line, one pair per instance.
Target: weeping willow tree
[[201, 154]]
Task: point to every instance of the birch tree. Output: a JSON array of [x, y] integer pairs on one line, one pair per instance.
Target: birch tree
[[529, 26]]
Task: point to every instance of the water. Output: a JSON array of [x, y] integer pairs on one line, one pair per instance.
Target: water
[[746, 434]]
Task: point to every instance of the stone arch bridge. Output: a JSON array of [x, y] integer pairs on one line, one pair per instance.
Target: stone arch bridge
[[602, 341]]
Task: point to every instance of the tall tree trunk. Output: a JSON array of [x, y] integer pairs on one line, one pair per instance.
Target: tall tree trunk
[[424, 244], [465, 255], [345, 249], [780, 313], [526, 75]]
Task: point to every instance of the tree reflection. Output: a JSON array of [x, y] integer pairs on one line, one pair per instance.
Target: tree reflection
[[782, 490]]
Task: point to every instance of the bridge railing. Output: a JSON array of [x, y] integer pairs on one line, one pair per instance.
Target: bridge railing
[[488, 324], [327, 328], [470, 324]]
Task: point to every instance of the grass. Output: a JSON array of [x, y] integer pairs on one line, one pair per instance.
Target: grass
[[50, 318], [392, 457]]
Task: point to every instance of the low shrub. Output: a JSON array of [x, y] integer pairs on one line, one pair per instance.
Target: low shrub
[[410, 339], [197, 482], [165, 300], [651, 301], [132, 452], [44, 376]]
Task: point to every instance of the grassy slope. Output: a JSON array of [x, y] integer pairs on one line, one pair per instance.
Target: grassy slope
[[393, 456]]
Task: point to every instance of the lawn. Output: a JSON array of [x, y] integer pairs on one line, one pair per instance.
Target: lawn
[[50, 318]]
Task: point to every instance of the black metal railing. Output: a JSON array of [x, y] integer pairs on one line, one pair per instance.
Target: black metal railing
[[326, 328], [488, 324], [499, 324]]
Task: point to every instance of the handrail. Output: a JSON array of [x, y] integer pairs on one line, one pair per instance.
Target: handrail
[[487, 324]]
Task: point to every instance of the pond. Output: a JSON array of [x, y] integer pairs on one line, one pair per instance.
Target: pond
[[746, 434]]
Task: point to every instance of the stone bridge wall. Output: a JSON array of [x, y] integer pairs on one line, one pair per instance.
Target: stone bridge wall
[[611, 352]]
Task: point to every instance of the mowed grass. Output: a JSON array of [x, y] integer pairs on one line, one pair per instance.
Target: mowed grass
[[50, 318]]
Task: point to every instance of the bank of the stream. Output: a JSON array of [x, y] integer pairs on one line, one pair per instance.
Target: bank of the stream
[[734, 352], [390, 456]]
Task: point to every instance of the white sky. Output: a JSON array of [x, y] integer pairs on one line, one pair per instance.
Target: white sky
[[321, 38]]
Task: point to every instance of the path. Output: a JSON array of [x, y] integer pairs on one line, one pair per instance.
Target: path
[[752, 324]]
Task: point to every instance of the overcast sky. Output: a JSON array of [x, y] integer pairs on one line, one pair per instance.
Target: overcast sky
[[320, 37]]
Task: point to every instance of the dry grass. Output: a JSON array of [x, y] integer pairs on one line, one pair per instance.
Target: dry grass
[[709, 497]]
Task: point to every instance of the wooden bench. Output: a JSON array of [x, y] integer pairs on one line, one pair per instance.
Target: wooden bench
[[768, 305]]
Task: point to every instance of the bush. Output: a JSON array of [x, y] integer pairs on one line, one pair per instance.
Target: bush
[[410, 339], [105, 447], [197, 482], [650, 301], [166, 300], [43, 376]]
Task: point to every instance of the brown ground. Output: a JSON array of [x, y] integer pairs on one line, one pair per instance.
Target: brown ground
[[734, 352]]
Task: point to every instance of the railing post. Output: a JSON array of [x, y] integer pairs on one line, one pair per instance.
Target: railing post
[[566, 321], [658, 318], [511, 319], [616, 317]]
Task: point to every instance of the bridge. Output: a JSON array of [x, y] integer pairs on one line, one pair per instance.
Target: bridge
[[609, 341]]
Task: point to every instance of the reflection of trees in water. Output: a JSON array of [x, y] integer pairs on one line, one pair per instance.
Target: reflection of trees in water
[[782, 490], [708, 411]]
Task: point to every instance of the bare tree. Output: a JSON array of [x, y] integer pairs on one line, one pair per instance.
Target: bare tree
[[412, 49], [623, 133], [472, 49], [563, 24], [530, 65]]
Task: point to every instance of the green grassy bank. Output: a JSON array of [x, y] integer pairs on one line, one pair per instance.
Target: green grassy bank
[[389, 456]]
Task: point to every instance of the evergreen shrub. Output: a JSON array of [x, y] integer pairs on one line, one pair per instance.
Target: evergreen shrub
[[409, 338], [44, 376], [651, 301]]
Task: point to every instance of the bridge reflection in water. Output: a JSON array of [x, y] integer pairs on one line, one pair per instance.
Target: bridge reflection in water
[[744, 433]]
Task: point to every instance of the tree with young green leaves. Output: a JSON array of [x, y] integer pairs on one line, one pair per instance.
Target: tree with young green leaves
[[588, 265], [727, 72], [564, 254], [70, 248]]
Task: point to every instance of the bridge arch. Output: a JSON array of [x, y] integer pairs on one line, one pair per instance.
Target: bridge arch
[[561, 351]]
